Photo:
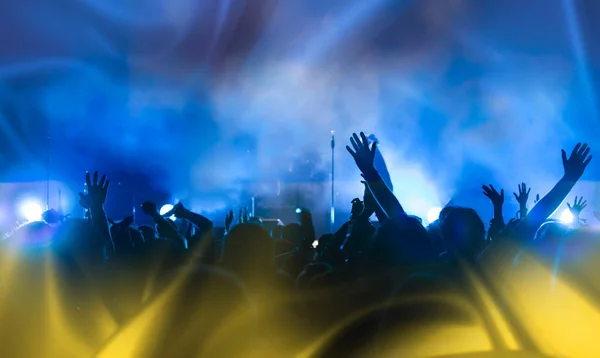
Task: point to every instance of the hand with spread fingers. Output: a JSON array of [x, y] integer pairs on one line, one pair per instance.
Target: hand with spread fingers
[[363, 155], [523, 195], [497, 198], [576, 163], [93, 201], [522, 199], [96, 191], [577, 206]]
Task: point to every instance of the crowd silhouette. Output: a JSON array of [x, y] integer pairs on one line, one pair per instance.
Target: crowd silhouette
[[97, 287]]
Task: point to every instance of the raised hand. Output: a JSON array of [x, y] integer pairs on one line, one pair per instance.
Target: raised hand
[[123, 224], [496, 198], [93, 201], [96, 191], [149, 208], [241, 217], [246, 215], [577, 207], [523, 196], [228, 220], [128, 221], [577, 162], [537, 198], [178, 210], [362, 154]]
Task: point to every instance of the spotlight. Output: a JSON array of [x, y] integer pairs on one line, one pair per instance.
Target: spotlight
[[298, 210], [433, 214], [165, 210], [566, 217], [32, 211]]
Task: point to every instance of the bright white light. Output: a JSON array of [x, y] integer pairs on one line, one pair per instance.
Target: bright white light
[[165, 209], [298, 211], [566, 217], [32, 211], [433, 214]]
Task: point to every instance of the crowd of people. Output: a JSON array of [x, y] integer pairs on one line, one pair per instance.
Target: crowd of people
[[97, 287]]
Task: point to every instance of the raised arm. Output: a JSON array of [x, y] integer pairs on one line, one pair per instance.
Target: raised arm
[[574, 167], [372, 206], [94, 199], [497, 199], [149, 208], [522, 199], [576, 210], [202, 223], [364, 157]]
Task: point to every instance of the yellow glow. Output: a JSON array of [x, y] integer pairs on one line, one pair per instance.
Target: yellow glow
[[556, 314]]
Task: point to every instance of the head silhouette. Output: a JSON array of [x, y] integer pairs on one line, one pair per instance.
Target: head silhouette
[[463, 231], [398, 244], [292, 233], [248, 248]]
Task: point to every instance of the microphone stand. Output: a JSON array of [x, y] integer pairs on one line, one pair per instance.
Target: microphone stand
[[332, 214]]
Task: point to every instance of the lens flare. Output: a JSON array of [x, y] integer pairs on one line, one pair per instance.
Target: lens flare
[[433, 214], [165, 210], [566, 217], [32, 211]]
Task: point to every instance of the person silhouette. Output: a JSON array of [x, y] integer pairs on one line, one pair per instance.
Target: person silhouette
[[379, 163]]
